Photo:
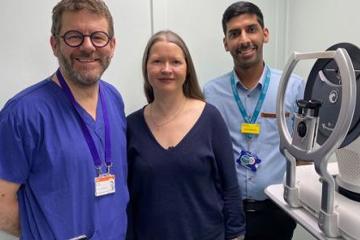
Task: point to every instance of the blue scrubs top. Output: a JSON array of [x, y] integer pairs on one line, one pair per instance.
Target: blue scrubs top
[[42, 148]]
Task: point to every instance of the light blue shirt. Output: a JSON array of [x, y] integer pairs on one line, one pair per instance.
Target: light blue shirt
[[265, 145]]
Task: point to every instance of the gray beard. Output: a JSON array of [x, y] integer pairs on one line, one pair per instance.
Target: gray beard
[[77, 78]]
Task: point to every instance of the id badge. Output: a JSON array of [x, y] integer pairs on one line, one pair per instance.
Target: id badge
[[249, 160], [250, 128], [104, 185]]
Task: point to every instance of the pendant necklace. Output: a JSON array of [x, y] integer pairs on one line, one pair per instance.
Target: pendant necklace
[[158, 125]]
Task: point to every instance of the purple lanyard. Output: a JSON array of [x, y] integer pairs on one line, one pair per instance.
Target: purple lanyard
[[85, 130]]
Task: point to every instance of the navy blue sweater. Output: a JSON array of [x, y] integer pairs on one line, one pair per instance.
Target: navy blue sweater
[[187, 192]]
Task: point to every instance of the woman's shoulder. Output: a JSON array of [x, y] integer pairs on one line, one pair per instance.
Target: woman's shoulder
[[136, 116], [196, 105], [212, 110], [206, 111]]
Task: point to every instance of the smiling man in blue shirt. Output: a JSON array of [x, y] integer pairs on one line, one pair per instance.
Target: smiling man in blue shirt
[[246, 98], [63, 165]]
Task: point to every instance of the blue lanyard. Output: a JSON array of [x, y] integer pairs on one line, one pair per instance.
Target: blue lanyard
[[259, 102], [85, 130]]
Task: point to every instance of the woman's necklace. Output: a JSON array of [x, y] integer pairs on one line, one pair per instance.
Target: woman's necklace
[[159, 124]]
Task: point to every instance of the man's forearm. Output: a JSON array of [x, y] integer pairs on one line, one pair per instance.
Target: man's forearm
[[9, 208], [9, 220]]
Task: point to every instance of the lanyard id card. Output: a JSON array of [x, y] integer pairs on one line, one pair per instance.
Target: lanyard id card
[[104, 185], [250, 128]]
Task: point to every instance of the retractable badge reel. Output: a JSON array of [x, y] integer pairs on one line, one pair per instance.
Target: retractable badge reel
[[249, 160]]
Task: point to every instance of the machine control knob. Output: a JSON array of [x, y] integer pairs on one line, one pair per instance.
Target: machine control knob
[[311, 104], [301, 129]]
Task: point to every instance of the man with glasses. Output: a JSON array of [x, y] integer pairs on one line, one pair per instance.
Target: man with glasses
[[63, 143]]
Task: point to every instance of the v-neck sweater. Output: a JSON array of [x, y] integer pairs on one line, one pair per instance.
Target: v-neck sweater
[[187, 192]]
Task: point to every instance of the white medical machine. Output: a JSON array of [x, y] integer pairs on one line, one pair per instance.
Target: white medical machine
[[327, 123]]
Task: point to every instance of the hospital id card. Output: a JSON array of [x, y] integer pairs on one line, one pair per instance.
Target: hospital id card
[[104, 185], [250, 128]]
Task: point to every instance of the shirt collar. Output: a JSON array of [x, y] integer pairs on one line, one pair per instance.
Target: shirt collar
[[258, 85]]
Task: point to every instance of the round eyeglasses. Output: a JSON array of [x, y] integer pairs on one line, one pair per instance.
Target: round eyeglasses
[[75, 38]]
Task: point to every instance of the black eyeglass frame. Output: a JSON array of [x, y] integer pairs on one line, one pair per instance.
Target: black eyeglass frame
[[83, 38]]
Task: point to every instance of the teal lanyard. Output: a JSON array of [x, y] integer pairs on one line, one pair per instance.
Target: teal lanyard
[[259, 102]]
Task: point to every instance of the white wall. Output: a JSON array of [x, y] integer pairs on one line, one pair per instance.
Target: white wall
[[301, 25], [317, 25], [24, 45]]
